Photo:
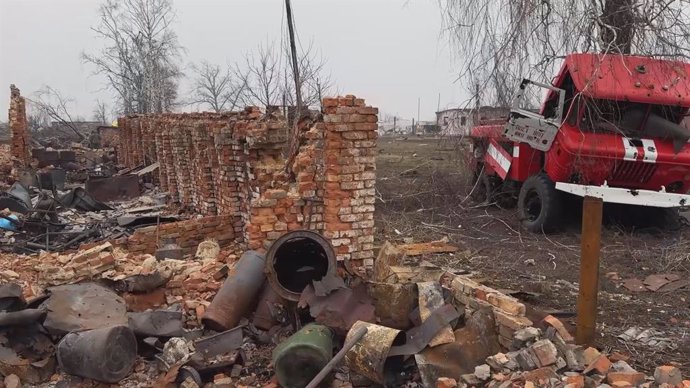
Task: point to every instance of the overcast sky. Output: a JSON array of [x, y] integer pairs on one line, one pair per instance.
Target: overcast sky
[[389, 52]]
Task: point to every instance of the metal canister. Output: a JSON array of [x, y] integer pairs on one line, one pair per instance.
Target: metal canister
[[269, 307], [105, 354], [296, 260], [369, 357], [302, 356], [238, 293]]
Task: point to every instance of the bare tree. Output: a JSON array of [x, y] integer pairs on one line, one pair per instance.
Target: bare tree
[[36, 118], [261, 75], [139, 59], [501, 41], [267, 75], [315, 81], [100, 112], [53, 105], [216, 87]]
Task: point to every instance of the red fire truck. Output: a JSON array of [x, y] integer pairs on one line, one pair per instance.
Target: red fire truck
[[610, 126]]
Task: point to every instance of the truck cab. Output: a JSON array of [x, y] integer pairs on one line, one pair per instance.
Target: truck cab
[[610, 126]]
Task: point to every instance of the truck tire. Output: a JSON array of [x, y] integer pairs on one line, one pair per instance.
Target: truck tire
[[539, 205]]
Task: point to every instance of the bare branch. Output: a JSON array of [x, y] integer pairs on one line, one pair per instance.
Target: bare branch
[[50, 103]]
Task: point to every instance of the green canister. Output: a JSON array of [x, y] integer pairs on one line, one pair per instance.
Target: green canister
[[302, 356]]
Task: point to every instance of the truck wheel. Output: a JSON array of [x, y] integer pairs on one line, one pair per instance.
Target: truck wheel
[[539, 206]]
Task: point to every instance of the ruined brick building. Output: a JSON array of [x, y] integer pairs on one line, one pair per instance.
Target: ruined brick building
[[230, 169]]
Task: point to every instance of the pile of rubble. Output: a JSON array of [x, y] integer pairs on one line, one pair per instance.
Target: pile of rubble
[[276, 319]]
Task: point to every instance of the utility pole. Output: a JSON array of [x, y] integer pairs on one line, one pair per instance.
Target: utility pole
[[395, 118], [294, 140], [293, 51], [419, 99]]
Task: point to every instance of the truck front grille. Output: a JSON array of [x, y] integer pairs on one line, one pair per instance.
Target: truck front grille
[[632, 172]]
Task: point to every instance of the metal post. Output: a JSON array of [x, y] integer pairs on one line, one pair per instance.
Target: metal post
[[592, 209]]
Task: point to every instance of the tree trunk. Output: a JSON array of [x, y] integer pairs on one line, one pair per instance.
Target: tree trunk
[[618, 27]]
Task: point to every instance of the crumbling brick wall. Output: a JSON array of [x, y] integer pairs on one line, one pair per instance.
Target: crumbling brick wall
[[234, 164], [187, 234], [19, 127]]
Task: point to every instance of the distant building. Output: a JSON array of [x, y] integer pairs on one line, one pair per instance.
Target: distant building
[[459, 121], [426, 128]]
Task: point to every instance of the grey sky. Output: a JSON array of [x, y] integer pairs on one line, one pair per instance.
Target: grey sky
[[389, 52]]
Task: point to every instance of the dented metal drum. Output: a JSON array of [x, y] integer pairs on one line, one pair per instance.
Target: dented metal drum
[[369, 357], [297, 259], [238, 293], [106, 354]]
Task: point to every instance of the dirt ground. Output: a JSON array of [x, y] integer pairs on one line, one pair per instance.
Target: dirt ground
[[422, 189]]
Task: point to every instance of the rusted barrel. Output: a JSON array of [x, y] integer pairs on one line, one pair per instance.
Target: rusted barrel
[[369, 357], [238, 293], [269, 306], [106, 354], [297, 259], [302, 356]]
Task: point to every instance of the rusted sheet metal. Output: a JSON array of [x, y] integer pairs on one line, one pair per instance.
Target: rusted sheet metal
[[430, 299], [328, 284], [79, 199], [340, 309], [160, 323], [84, 306], [419, 337], [220, 343], [471, 346], [369, 357], [121, 187], [296, 260], [393, 303], [238, 293], [27, 353], [105, 354], [270, 310], [298, 359]]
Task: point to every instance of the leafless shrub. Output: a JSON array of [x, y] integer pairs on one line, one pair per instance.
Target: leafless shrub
[[675, 257]]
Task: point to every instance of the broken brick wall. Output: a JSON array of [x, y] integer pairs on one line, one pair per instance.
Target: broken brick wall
[[187, 234], [233, 164], [19, 129]]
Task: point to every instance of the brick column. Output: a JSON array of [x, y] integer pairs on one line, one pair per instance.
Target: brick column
[[350, 164], [18, 127]]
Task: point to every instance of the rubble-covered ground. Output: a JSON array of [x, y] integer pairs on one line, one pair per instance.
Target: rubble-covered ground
[[423, 187]]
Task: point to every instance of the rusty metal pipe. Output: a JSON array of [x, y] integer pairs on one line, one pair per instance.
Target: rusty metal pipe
[[296, 260], [238, 293]]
